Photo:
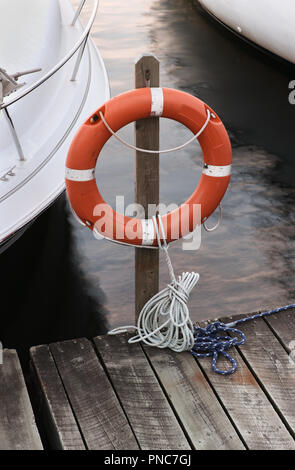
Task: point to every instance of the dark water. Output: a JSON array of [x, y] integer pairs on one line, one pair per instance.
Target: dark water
[[59, 282], [45, 295]]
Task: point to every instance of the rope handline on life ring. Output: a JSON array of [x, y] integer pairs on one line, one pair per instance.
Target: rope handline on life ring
[[174, 149], [212, 229]]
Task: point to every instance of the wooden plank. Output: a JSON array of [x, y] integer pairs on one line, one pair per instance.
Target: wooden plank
[[250, 410], [54, 408], [270, 362], [148, 411], [146, 183], [93, 400], [195, 403], [18, 430], [283, 324]]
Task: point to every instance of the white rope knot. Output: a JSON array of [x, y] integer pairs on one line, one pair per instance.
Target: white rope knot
[[164, 321], [181, 289]]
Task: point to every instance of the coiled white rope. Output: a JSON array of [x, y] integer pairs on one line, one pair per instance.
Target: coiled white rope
[[127, 144], [164, 321]]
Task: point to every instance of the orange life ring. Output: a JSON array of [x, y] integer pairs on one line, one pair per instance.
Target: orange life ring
[[85, 198]]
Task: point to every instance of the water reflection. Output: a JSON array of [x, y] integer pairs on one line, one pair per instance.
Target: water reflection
[[248, 89], [45, 296], [247, 264], [54, 276]]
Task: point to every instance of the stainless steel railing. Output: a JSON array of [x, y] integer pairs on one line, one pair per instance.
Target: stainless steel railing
[[80, 44]]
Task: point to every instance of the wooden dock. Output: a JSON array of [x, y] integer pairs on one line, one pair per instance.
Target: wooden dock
[[107, 394]]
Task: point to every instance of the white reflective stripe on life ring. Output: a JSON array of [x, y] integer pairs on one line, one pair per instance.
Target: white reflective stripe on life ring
[[80, 175], [157, 101], [217, 171], [148, 232]]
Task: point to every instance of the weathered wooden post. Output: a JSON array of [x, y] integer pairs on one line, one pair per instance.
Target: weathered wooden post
[[146, 183]]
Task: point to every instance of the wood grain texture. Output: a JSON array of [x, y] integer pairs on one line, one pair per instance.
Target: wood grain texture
[[146, 183], [247, 405], [283, 325], [196, 405], [148, 411], [54, 409], [18, 430], [97, 410], [270, 362]]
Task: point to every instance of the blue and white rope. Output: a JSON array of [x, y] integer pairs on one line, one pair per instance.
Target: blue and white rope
[[209, 342]]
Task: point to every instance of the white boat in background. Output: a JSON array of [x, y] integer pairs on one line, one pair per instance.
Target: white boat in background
[[267, 23], [64, 81]]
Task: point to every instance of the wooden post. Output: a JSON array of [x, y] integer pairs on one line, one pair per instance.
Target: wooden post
[[146, 183]]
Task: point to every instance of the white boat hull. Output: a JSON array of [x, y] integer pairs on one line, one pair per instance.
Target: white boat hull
[[267, 23], [46, 121]]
